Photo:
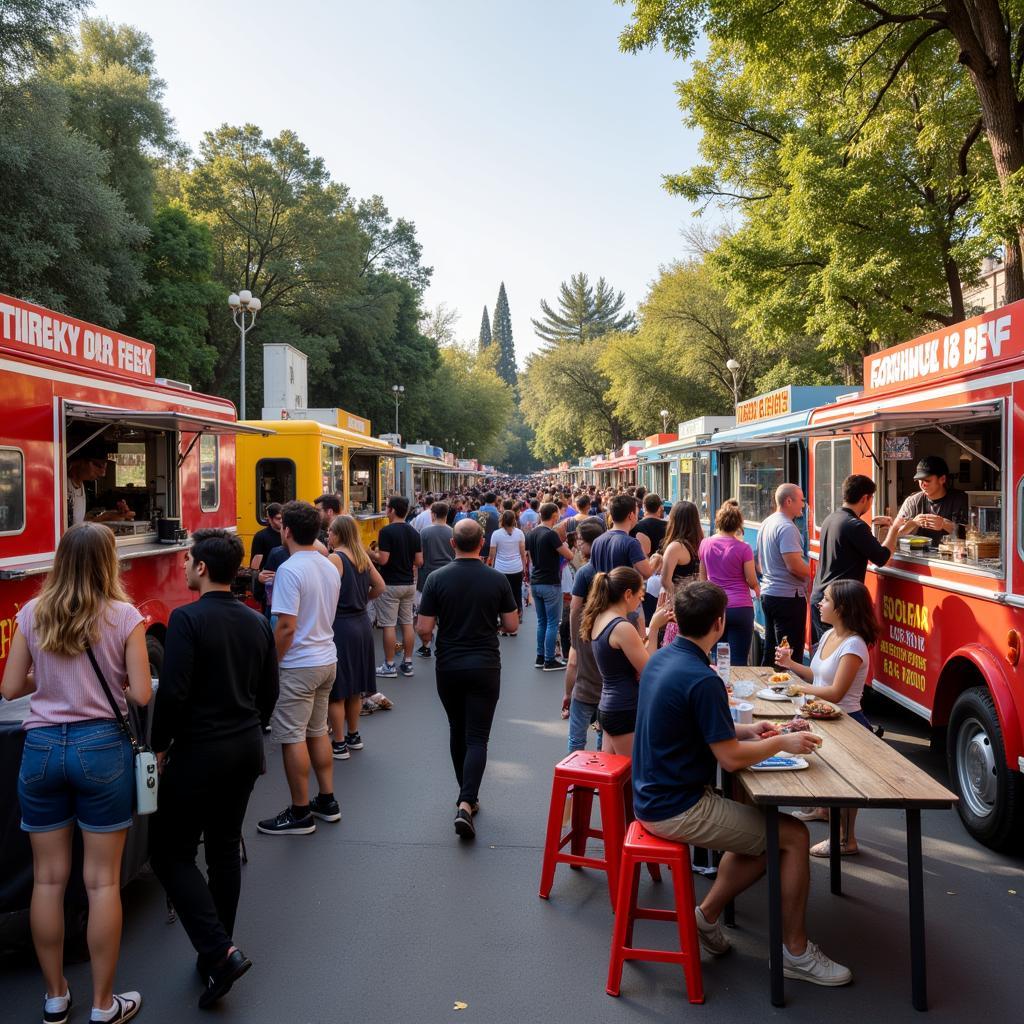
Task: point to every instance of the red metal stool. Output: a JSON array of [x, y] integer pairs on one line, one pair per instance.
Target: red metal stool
[[586, 772], [640, 847]]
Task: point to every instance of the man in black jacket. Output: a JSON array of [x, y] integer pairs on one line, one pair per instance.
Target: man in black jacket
[[218, 686]]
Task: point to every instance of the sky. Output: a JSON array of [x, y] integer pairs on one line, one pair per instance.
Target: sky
[[521, 142]]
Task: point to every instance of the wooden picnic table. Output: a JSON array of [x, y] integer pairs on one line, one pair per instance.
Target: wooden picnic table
[[852, 768]]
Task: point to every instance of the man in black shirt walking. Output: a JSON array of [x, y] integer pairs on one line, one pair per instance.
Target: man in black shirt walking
[[466, 599], [546, 548], [847, 544], [218, 687]]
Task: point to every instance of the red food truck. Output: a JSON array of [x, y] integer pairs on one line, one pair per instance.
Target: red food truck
[[164, 459], [952, 614]]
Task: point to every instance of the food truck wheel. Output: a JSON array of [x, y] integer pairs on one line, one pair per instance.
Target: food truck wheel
[[155, 651], [991, 797]]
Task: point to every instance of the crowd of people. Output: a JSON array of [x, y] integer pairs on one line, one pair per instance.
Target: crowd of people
[[630, 604]]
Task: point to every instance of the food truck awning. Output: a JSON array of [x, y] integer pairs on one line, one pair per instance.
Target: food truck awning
[[759, 434], [163, 419], [388, 450], [885, 420]]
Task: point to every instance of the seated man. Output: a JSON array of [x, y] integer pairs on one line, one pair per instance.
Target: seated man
[[683, 728]]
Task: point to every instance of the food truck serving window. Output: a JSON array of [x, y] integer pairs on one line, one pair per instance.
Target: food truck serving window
[[275, 481], [332, 468], [968, 449], [209, 473], [12, 491], [753, 477], [832, 463]]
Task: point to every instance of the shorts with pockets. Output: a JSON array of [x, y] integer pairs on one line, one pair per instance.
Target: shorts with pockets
[[394, 606], [717, 824], [79, 771], [301, 708]]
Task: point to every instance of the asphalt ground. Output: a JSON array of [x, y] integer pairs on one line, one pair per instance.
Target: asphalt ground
[[387, 917]]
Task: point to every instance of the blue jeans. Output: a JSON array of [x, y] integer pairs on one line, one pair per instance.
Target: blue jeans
[[581, 716], [547, 598], [80, 772]]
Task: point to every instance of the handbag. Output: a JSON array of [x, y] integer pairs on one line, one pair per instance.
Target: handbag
[[146, 775]]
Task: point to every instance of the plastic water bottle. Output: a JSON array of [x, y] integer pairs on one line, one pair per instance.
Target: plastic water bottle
[[723, 661]]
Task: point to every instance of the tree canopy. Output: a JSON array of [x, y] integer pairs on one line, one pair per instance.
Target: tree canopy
[[585, 311]]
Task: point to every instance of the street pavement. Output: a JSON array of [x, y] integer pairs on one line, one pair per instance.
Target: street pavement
[[387, 917]]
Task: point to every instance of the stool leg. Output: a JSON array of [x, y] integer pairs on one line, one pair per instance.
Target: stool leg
[[582, 806], [682, 884], [622, 929], [554, 833], [613, 826]]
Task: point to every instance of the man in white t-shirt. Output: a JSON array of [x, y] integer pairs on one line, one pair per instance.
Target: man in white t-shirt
[[425, 517], [305, 599]]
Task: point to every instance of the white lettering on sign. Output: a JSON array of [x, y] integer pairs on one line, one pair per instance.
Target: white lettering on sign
[[977, 344]]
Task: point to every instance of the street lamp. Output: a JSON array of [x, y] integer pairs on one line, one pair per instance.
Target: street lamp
[[240, 304], [398, 391], [734, 368], [664, 421]]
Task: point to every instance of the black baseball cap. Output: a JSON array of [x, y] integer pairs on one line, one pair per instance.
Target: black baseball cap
[[931, 465]]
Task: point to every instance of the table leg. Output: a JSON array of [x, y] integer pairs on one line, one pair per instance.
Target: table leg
[[729, 913], [774, 908], [915, 888], [835, 857]]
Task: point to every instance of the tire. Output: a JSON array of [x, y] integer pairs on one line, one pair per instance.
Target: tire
[[991, 795], [155, 651]]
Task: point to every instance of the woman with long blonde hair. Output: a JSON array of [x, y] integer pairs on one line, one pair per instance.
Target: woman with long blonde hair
[[616, 633], [77, 762], [353, 635]]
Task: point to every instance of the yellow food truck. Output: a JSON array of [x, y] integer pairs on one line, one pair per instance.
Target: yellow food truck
[[305, 458]]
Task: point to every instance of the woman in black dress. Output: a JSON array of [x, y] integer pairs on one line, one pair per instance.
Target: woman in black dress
[[679, 548], [353, 634]]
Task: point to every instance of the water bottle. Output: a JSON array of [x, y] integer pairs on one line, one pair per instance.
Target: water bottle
[[722, 661]]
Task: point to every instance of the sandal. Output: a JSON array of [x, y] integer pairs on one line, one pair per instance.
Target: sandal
[[383, 703], [811, 814], [823, 849]]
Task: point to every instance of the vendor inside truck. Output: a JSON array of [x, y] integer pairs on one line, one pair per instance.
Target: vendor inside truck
[[91, 463], [938, 508]]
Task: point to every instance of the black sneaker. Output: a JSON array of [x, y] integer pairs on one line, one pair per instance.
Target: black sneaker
[[539, 663], [354, 740], [339, 750], [285, 824], [325, 810], [57, 1016], [406, 668], [554, 665], [424, 651], [464, 827], [221, 977]]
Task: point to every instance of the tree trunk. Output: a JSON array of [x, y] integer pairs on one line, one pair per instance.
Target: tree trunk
[[985, 51], [956, 290]]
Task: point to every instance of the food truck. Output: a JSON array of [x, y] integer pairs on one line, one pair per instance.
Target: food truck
[[678, 468], [71, 387], [952, 614]]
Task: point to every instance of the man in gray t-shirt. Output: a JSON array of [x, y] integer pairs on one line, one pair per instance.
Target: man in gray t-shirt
[[436, 544], [784, 575]]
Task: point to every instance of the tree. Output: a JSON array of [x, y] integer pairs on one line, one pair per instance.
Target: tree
[[501, 336], [116, 100], [877, 42], [484, 338], [28, 29], [439, 324], [66, 239], [181, 290], [585, 311], [565, 401]]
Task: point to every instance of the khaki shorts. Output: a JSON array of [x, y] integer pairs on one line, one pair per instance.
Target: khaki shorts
[[394, 606], [301, 708], [716, 824]]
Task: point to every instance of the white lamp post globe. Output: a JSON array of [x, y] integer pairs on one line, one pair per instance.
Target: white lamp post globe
[[233, 301], [255, 305], [732, 365], [245, 296]]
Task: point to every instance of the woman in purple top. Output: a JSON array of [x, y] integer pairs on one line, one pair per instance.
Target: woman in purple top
[[729, 562]]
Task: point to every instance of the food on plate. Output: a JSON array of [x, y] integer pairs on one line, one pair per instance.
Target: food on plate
[[819, 709], [793, 690], [767, 734], [779, 677], [797, 724]]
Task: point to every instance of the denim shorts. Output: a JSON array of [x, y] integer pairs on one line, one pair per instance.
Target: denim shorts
[[80, 772]]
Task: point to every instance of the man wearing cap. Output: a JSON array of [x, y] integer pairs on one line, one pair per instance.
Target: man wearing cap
[[938, 508], [87, 464]]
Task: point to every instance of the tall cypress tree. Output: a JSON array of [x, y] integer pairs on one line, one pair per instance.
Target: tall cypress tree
[[501, 332], [485, 332]]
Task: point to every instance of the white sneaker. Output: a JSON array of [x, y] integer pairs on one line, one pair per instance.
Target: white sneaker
[[813, 966], [711, 936]]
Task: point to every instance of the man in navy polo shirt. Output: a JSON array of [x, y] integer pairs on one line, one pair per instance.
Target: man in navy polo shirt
[[683, 730], [616, 547]]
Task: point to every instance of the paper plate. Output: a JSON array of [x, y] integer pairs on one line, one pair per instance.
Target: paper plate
[[767, 694], [780, 764]]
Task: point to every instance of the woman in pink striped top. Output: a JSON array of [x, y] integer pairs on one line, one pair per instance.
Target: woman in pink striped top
[[77, 762]]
